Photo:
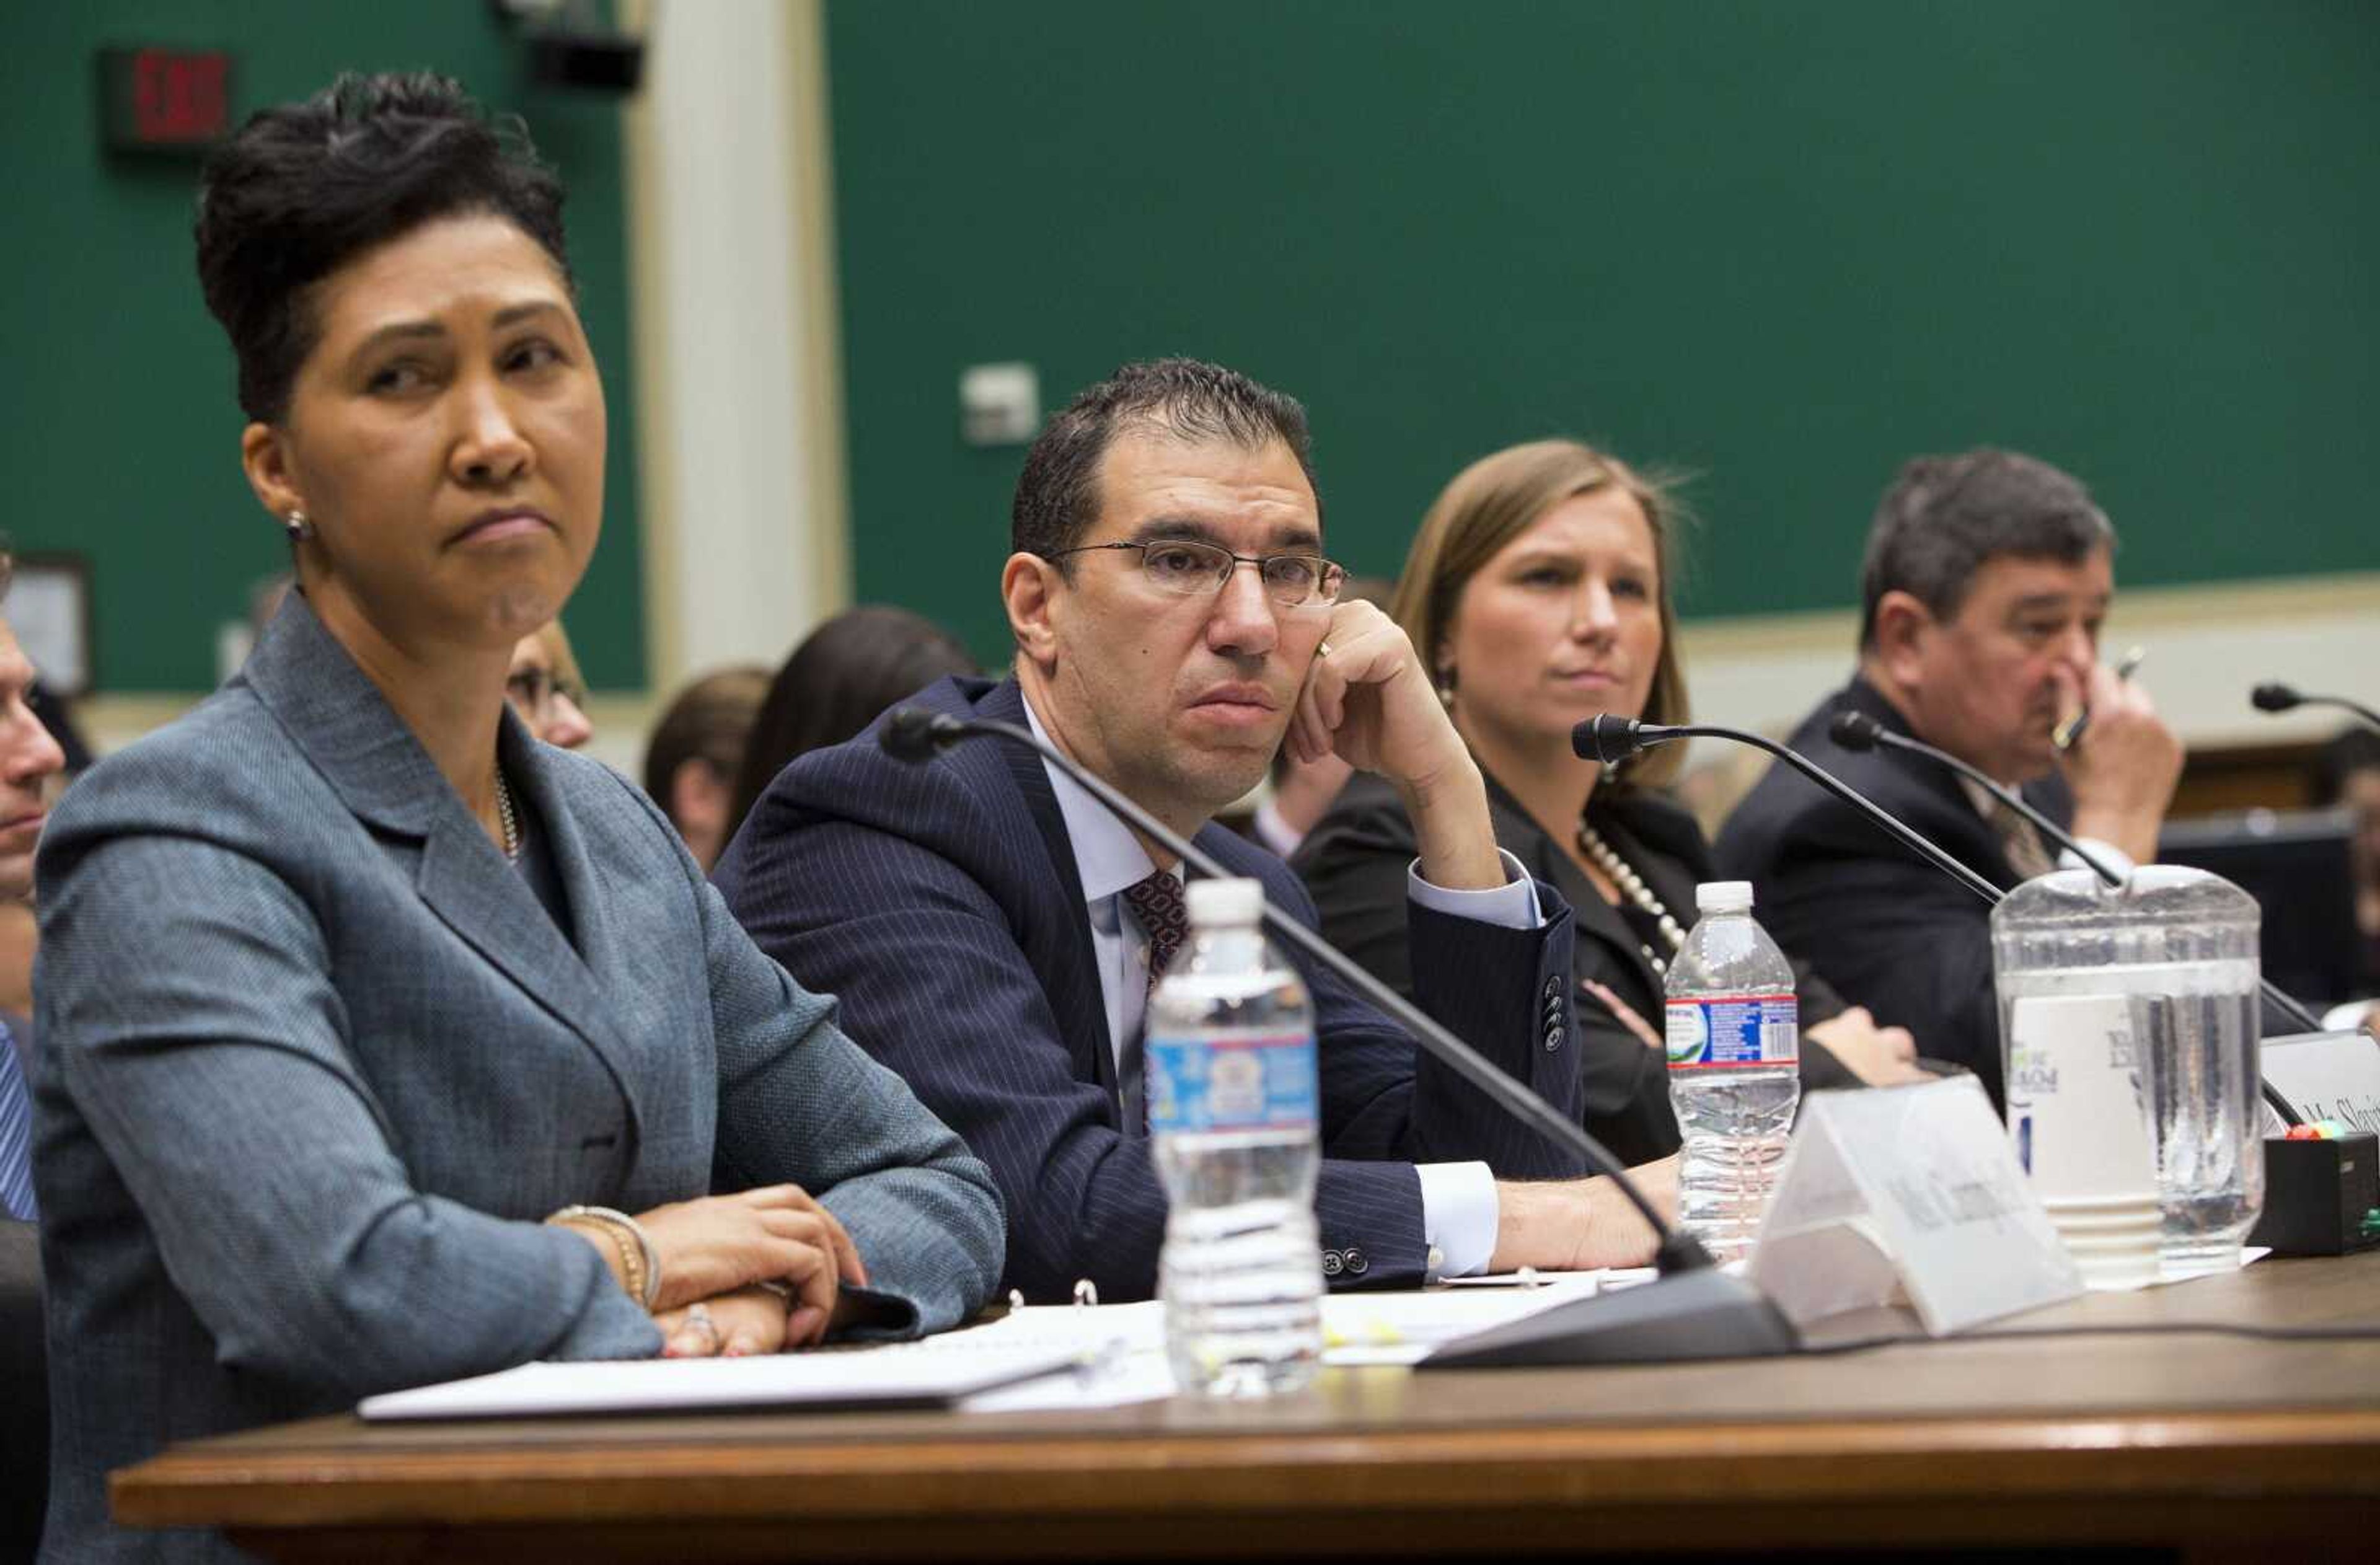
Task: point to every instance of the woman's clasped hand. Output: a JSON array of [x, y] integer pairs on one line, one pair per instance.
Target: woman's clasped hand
[[731, 1253]]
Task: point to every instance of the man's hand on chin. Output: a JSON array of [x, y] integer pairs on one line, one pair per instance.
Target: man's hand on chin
[[1369, 698]]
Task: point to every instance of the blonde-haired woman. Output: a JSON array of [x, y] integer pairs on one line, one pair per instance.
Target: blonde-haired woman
[[1538, 591]]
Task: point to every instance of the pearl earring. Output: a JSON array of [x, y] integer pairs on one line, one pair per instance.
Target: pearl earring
[[298, 527], [1446, 689]]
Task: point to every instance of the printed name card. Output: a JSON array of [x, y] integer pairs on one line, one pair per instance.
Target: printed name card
[[1907, 1191], [2326, 1076]]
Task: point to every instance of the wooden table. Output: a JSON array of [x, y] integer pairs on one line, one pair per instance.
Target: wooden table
[[2213, 1444]]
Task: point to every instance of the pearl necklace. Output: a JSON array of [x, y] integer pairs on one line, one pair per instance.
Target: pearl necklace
[[507, 819], [1632, 886]]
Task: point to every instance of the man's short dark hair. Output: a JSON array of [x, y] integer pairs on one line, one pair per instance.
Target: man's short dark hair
[[304, 188], [1057, 493], [1945, 517]]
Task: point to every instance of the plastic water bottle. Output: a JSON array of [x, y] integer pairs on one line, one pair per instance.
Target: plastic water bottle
[[1232, 1103], [1735, 1042]]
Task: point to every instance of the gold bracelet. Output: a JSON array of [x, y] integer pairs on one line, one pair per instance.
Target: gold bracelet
[[642, 1265], [632, 1272]]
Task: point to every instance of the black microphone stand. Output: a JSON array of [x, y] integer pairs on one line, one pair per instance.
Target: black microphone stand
[[1857, 731], [1694, 1310], [1625, 737], [2274, 696]]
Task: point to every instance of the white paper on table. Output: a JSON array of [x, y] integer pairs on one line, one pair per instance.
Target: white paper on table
[[885, 1378]]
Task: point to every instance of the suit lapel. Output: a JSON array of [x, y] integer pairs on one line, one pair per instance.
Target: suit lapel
[[1075, 991], [349, 734]]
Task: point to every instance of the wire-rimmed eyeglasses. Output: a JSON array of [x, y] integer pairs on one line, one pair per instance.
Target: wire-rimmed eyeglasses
[[1186, 569]]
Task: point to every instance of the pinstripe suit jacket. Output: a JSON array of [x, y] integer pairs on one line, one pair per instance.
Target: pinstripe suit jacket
[[313, 1061], [942, 904]]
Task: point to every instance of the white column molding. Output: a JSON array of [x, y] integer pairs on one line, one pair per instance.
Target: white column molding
[[738, 405]]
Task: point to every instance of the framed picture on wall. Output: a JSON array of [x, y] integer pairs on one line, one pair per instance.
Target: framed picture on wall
[[49, 608]]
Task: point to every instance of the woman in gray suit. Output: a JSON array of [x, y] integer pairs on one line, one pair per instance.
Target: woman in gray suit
[[380, 1044]]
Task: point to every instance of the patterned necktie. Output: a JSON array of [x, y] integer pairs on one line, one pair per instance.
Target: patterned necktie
[[1164, 917], [15, 1135], [2021, 843]]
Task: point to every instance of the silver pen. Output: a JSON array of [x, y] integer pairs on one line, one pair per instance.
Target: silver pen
[[2071, 729]]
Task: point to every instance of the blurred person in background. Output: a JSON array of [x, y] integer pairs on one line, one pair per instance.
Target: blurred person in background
[[29, 761], [1538, 593], [381, 1045], [546, 687], [845, 673], [1987, 578], [695, 751], [2346, 774], [31, 764]]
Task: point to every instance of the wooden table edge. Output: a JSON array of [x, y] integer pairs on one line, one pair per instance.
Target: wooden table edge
[[2314, 1452]]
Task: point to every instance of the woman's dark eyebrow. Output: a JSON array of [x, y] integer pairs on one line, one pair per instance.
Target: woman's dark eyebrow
[[514, 313], [431, 330], [401, 331]]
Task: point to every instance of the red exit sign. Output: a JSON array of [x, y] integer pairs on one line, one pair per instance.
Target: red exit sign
[[164, 100]]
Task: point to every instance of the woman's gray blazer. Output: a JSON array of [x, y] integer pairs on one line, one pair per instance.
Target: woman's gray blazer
[[314, 1061]]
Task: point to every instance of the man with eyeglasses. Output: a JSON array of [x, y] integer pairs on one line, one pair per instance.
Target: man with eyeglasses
[[992, 932]]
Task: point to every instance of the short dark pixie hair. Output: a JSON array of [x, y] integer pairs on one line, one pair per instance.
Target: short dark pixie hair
[[1057, 493], [1945, 517], [305, 187]]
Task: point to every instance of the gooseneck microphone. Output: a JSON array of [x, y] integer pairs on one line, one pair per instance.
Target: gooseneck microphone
[[1694, 1310], [1859, 731], [1607, 738], [2274, 697], [1611, 739]]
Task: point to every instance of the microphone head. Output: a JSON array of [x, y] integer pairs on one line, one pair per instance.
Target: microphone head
[[1606, 738], [1854, 730], [913, 733], [2274, 697]]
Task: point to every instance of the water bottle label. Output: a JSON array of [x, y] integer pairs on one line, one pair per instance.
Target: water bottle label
[[1231, 1082], [1735, 1031]]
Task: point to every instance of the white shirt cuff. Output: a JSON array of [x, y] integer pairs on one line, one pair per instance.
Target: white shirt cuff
[[1459, 1213], [1512, 905], [2109, 854]]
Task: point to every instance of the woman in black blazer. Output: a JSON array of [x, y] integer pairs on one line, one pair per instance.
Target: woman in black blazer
[[1538, 589]]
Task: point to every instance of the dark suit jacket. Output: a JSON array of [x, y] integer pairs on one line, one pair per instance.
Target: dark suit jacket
[[942, 904], [1879, 922], [1353, 863], [314, 1062]]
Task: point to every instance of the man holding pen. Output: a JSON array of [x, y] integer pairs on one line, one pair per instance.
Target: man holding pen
[[1987, 577]]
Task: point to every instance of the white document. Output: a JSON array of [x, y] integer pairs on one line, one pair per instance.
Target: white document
[[1039, 1358], [888, 1377], [1907, 1191]]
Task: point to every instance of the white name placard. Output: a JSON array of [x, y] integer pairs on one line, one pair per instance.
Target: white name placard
[[2326, 1077], [1907, 1191]]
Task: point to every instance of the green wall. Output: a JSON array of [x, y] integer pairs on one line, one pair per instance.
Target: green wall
[[119, 434], [1782, 245]]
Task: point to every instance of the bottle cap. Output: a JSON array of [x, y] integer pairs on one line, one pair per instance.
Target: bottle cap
[[1723, 896], [1220, 902]]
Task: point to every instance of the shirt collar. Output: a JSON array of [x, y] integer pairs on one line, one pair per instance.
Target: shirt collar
[[1106, 853]]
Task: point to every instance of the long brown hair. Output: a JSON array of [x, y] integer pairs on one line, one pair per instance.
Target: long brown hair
[[1494, 500]]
